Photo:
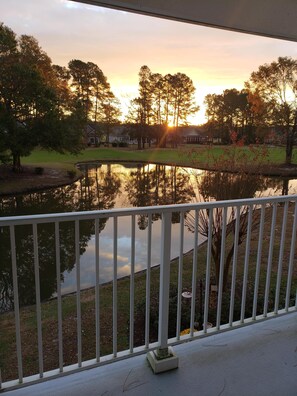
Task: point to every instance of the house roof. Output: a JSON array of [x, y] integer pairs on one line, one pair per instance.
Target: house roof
[[191, 131], [271, 18]]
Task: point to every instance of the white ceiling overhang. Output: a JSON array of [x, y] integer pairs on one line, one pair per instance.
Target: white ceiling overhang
[[271, 18]]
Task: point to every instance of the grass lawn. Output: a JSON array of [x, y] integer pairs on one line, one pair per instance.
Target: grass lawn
[[275, 155]]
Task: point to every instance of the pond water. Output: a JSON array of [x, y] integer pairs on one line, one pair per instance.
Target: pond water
[[107, 186]]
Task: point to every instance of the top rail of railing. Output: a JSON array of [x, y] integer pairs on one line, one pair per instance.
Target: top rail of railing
[[89, 215]]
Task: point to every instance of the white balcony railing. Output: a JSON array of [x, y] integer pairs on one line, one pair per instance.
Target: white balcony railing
[[254, 237]]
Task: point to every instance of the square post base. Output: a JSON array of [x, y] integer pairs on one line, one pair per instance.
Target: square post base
[[160, 363]]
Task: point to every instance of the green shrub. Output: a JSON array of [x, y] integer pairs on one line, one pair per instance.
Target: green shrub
[[140, 309], [39, 170]]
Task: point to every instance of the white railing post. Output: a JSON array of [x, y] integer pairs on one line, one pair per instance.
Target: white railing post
[[163, 359], [132, 284], [78, 293], [59, 295], [180, 274], [16, 303], [148, 281], [164, 284], [97, 289], [38, 300]]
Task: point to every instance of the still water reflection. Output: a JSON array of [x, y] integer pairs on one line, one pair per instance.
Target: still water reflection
[[107, 186]]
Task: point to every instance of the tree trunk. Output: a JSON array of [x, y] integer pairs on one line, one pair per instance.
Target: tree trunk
[[289, 147], [216, 254], [285, 189], [227, 267], [162, 142], [216, 258], [290, 141], [16, 163]]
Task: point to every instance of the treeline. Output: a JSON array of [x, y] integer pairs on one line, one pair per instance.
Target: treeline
[[47, 105], [268, 101], [163, 101], [266, 106]]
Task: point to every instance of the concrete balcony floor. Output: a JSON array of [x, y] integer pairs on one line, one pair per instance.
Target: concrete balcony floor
[[260, 359]]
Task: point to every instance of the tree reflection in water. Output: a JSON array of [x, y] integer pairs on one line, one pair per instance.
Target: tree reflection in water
[[160, 185], [103, 187], [96, 191]]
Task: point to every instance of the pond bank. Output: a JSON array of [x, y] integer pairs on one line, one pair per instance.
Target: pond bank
[[28, 180]]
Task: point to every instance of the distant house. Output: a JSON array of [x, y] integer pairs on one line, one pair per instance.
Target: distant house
[[91, 137], [118, 135], [274, 136], [192, 135], [96, 134]]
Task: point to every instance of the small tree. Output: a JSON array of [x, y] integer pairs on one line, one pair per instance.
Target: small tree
[[215, 186]]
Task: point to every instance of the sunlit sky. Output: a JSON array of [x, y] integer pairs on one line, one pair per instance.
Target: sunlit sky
[[120, 43]]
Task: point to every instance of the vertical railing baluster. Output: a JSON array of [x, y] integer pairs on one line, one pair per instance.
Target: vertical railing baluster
[[258, 265], [97, 290], [291, 259], [78, 300], [221, 275], [270, 257], [132, 283], [234, 265], [194, 273], [148, 281], [180, 273], [59, 296], [281, 257], [114, 288], [246, 264], [16, 303], [164, 283], [38, 303], [207, 274]]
